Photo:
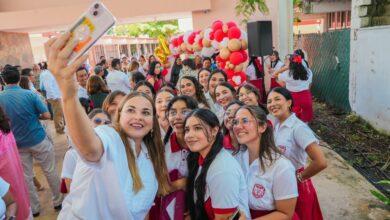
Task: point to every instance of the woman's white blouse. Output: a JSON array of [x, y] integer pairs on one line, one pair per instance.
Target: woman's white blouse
[[104, 190]]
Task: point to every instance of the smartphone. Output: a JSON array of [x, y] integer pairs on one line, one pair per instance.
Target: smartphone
[[91, 26], [235, 216]]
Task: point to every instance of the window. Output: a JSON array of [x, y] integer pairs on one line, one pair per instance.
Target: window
[[339, 20]]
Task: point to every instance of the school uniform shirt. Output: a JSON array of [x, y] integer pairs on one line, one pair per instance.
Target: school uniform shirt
[[82, 93], [117, 80], [49, 84], [226, 189], [277, 182], [4, 187], [292, 137], [176, 158], [251, 72], [296, 85], [104, 190]]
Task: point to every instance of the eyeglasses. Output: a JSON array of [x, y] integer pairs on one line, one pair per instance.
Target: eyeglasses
[[243, 121], [100, 121], [183, 112]]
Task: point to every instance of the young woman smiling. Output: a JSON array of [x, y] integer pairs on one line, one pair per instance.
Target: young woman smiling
[[216, 186], [176, 153], [270, 177], [190, 86], [249, 94], [122, 165], [229, 139], [162, 99], [297, 141]]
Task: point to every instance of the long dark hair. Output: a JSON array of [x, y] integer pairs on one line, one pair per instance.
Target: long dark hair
[[276, 53], [198, 90], [191, 103], [24, 82], [4, 122], [227, 85], [147, 84], [285, 93], [197, 184], [253, 61], [268, 150], [175, 72], [302, 54], [152, 68], [297, 70]]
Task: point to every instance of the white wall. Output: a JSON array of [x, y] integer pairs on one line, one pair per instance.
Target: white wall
[[369, 79]]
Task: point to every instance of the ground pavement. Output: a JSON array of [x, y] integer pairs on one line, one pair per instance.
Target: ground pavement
[[342, 191]]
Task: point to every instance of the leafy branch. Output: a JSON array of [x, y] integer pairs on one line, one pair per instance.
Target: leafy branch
[[246, 8]]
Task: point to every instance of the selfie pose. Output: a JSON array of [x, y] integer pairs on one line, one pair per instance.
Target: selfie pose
[[122, 167]]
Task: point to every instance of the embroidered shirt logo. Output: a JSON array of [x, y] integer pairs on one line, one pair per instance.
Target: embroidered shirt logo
[[258, 191]]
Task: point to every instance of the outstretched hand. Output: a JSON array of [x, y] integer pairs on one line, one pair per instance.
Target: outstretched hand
[[58, 52]]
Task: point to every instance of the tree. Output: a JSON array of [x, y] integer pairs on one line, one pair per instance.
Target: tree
[[151, 29], [247, 8]]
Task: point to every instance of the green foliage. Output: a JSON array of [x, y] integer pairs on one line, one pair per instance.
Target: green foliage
[[246, 8], [152, 29], [380, 196]]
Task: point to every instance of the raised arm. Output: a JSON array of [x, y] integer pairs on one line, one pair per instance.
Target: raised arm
[[79, 126]]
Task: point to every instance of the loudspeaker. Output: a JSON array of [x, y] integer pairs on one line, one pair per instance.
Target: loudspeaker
[[259, 38]]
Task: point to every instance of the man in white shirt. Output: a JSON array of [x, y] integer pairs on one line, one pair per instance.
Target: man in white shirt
[[82, 78], [53, 96], [117, 80]]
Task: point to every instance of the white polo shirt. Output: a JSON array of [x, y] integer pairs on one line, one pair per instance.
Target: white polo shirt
[[82, 92], [292, 137], [296, 85], [225, 185], [278, 182], [49, 84], [176, 158], [104, 190], [69, 163], [4, 187], [117, 80]]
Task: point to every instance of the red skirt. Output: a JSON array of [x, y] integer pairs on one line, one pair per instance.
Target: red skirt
[[159, 209], [274, 84], [260, 213], [308, 207], [303, 105]]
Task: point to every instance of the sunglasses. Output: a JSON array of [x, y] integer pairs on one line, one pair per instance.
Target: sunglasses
[[100, 121]]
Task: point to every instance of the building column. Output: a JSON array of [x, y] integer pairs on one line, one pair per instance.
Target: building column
[[286, 17]]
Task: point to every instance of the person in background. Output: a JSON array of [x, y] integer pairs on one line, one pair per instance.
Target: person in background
[[82, 78], [216, 77], [98, 117], [36, 72], [198, 62], [8, 207], [24, 109], [97, 91], [110, 104], [117, 80], [146, 88], [207, 63], [216, 185], [24, 83], [297, 141], [99, 71], [270, 177], [255, 69], [163, 97], [103, 63], [31, 78], [203, 78], [125, 64], [136, 78], [302, 54], [134, 67], [189, 68], [175, 72], [143, 65], [191, 87], [154, 76], [298, 80], [52, 93], [276, 65], [11, 169], [249, 94]]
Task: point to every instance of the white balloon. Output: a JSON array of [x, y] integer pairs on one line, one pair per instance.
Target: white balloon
[[207, 33], [244, 35], [215, 44], [207, 51], [224, 42], [186, 35]]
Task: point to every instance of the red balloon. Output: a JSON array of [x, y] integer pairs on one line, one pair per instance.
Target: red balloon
[[236, 58], [191, 38], [180, 40], [229, 73], [217, 25], [234, 33], [244, 54], [211, 35], [231, 24], [219, 35], [200, 42], [174, 42]]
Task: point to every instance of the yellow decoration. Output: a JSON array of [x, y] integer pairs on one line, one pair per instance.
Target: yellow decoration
[[162, 51]]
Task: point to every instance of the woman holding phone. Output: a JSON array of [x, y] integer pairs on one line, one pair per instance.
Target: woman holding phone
[[122, 167]]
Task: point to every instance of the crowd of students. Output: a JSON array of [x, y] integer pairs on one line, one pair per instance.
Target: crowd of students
[[150, 140]]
